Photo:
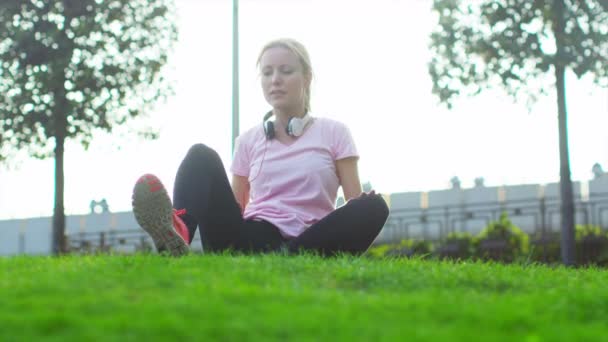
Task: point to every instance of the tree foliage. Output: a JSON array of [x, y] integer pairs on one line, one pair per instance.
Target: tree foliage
[[517, 45], [70, 67], [511, 44]]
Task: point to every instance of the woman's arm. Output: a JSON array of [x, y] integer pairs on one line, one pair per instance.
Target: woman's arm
[[348, 173], [240, 188]]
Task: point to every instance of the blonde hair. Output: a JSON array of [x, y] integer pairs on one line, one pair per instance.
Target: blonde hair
[[300, 52]]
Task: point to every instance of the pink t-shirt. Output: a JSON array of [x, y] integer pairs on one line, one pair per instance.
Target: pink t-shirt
[[293, 186]]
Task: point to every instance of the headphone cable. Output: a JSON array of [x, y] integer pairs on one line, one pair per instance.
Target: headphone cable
[[262, 163]]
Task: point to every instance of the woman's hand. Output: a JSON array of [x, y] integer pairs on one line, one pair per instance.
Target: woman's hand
[[365, 194]]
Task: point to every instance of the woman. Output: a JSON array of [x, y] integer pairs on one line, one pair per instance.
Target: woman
[[286, 174]]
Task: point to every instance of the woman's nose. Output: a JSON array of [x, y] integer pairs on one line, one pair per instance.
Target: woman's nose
[[276, 77]]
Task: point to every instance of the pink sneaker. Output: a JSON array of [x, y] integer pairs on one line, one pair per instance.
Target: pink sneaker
[[154, 213]]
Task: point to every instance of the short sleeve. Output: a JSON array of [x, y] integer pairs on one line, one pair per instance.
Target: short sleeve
[[241, 158], [343, 142]]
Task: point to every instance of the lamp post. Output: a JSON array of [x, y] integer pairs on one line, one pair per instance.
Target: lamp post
[[235, 72]]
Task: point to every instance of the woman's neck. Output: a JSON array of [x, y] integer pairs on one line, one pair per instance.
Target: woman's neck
[[282, 116]]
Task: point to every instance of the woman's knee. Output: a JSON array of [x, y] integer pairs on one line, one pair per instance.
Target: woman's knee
[[374, 206], [202, 151]]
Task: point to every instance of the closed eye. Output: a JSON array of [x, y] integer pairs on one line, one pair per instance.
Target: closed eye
[[283, 70], [267, 72], [286, 69]]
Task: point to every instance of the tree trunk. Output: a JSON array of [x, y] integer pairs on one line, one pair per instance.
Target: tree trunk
[[567, 200], [60, 113], [59, 245], [58, 212]]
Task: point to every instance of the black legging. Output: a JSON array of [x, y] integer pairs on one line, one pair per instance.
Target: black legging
[[202, 188]]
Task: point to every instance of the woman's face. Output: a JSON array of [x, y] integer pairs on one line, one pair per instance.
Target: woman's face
[[283, 81]]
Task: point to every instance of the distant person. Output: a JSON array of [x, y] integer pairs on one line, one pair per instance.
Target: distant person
[[285, 177]]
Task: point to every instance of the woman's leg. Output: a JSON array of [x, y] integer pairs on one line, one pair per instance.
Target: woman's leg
[[259, 237], [202, 188], [349, 229]]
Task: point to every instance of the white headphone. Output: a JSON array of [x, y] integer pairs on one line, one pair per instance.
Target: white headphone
[[295, 126]]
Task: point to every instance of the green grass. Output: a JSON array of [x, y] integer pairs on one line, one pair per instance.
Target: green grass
[[271, 297]]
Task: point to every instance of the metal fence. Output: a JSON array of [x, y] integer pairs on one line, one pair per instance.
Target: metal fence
[[536, 216], [540, 218], [119, 241], [132, 240]]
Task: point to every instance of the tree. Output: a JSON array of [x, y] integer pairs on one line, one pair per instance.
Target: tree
[[524, 47], [70, 68]]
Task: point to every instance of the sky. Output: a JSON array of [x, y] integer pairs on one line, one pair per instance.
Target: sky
[[369, 60]]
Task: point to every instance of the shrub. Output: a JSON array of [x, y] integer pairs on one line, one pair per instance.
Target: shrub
[[591, 245], [378, 251], [502, 240], [405, 248], [457, 246], [419, 247], [546, 247], [582, 231]]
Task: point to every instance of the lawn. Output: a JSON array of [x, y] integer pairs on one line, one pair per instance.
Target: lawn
[[273, 297]]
